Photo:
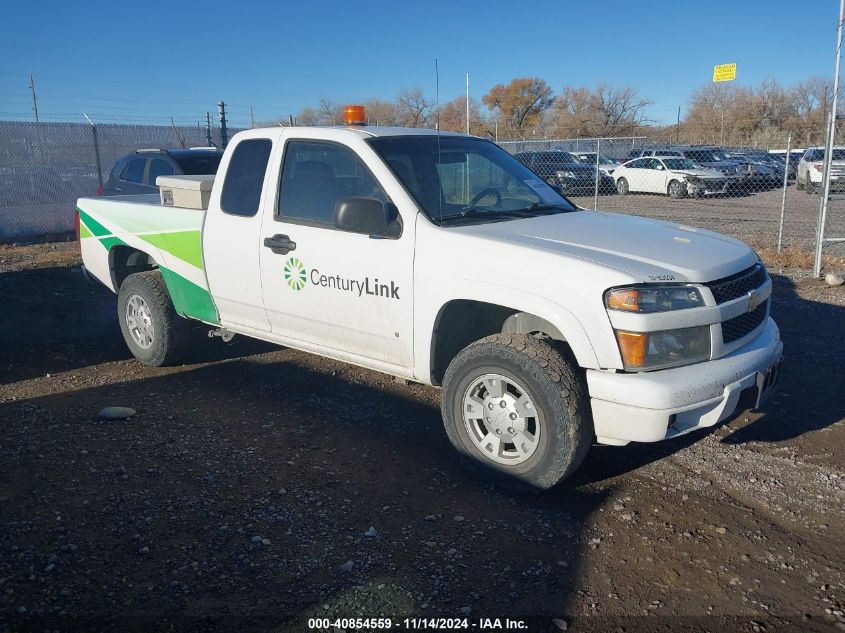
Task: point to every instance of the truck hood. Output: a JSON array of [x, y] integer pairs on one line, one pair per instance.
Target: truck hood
[[650, 250]]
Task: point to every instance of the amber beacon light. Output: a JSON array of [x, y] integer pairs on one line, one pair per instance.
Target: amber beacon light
[[354, 115]]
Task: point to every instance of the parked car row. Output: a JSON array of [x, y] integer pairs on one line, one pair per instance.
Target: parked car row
[[677, 171], [684, 170]]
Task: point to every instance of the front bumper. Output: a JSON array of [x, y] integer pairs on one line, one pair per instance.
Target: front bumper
[[652, 406]]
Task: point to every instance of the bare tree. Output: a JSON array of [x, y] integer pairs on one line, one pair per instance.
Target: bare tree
[[601, 111], [414, 107], [330, 112]]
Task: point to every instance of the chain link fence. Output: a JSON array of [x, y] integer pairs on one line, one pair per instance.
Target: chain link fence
[[46, 167], [758, 194]]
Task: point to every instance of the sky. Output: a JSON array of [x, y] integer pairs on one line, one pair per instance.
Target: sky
[[148, 61]]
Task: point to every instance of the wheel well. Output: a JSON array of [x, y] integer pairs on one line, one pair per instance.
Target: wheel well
[[125, 261], [462, 322]]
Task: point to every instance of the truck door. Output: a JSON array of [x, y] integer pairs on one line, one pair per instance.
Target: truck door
[[231, 235], [326, 287]]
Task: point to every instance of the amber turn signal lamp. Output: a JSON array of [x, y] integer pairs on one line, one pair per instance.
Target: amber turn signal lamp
[[622, 299], [633, 346], [354, 115]]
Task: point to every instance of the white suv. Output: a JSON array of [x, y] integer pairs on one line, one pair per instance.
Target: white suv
[[810, 169]]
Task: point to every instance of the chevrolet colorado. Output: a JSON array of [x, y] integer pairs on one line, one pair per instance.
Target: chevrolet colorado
[[440, 258]]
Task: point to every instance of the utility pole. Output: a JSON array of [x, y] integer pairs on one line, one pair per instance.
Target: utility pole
[[678, 127], [34, 98], [221, 110], [467, 103], [209, 141], [251, 118]]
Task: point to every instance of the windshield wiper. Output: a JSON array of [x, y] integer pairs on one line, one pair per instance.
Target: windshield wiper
[[501, 213], [542, 206]]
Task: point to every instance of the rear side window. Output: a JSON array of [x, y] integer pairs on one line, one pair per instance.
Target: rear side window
[[135, 170], [245, 177], [160, 167], [199, 165]]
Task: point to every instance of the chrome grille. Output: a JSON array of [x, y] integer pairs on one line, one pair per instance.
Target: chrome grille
[[734, 329], [733, 287]]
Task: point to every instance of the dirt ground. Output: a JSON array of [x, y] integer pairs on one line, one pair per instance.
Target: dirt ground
[[259, 486]]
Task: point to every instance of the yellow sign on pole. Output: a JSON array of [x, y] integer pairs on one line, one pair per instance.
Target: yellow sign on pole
[[724, 72]]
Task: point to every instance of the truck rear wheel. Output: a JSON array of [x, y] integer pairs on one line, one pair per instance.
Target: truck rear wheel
[[517, 409], [154, 333]]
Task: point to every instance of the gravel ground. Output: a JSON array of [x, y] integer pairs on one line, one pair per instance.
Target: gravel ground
[[259, 485]]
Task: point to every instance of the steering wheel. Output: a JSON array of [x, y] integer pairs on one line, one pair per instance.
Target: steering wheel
[[483, 193]]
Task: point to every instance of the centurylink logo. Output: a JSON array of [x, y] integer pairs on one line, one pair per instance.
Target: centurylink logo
[[295, 274], [297, 277]]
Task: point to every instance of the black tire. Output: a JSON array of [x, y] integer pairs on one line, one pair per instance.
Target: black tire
[[676, 189], [808, 185], [798, 184], [622, 187], [170, 332], [556, 387]]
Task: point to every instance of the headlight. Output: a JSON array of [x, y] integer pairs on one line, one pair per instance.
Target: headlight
[[565, 174], [667, 348], [657, 299]]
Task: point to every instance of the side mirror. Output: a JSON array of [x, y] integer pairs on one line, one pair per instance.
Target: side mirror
[[368, 216]]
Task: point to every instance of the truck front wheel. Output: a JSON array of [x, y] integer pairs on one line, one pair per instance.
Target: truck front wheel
[[517, 409], [154, 333]]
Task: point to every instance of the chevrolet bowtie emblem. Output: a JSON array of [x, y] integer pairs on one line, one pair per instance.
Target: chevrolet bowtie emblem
[[755, 298]]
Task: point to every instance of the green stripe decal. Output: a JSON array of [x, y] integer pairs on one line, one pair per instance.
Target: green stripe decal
[[186, 245], [108, 242], [95, 227], [188, 298], [83, 231]]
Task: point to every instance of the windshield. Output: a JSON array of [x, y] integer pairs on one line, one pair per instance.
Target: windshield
[[704, 156], [459, 178], [591, 158], [679, 163]]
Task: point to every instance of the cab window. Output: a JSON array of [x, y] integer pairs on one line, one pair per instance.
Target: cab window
[[316, 175]]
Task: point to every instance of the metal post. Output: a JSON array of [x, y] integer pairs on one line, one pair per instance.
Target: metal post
[[828, 149], [221, 109], [783, 197], [467, 103], [96, 150], [209, 141], [596, 192], [34, 98]]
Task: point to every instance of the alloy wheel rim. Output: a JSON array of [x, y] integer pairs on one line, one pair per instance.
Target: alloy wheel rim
[[139, 322], [501, 419]]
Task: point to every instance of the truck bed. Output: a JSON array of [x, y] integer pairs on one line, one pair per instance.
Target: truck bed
[[171, 236]]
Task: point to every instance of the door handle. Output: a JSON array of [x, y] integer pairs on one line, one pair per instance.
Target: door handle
[[280, 244]]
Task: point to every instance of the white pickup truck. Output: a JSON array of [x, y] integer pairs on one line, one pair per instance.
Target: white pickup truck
[[439, 258]]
